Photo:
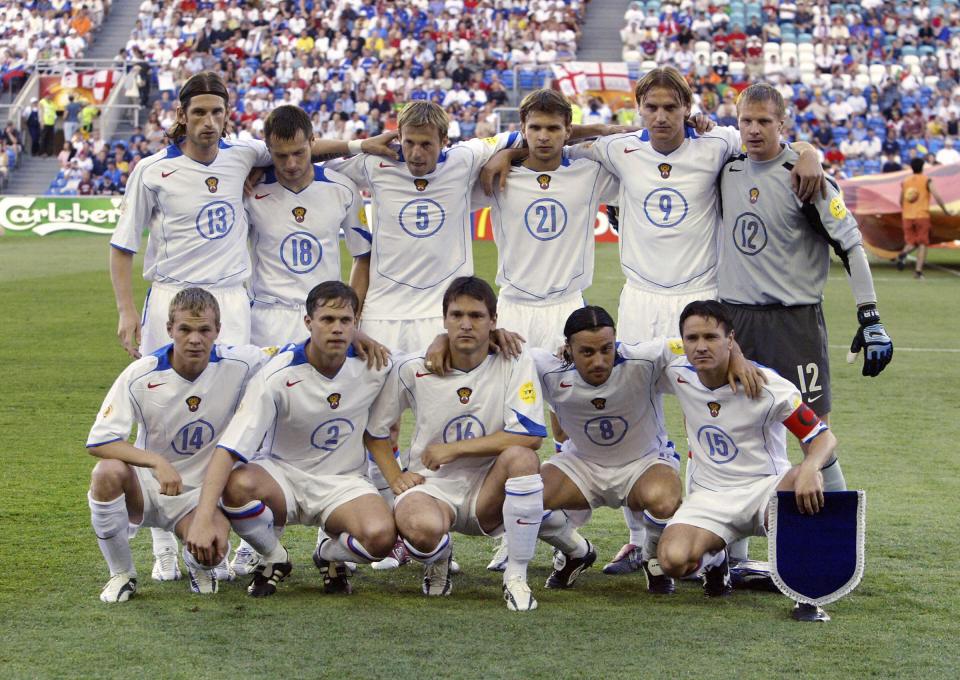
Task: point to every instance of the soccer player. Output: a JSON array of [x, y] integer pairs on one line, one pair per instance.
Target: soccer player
[[767, 232], [299, 436], [296, 214], [739, 445], [669, 219], [474, 446], [915, 193], [181, 397], [190, 196]]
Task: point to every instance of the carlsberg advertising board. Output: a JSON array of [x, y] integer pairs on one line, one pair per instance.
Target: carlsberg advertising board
[[48, 214]]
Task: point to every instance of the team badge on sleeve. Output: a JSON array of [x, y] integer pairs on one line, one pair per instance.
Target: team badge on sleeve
[[754, 195], [107, 411], [334, 400], [491, 141], [212, 184], [714, 408], [193, 403], [299, 213], [837, 208], [665, 169], [543, 181], [464, 394], [362, 215], [599, 403], [528, 393], [420, 184]]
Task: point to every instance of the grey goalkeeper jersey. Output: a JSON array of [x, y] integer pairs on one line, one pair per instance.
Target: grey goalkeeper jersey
[[773, 249]]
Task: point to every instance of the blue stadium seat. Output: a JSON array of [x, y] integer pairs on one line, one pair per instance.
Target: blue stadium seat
[[804, 38], [506, 77], [872, 167], [527, 80], [839, 133], [854, 166]]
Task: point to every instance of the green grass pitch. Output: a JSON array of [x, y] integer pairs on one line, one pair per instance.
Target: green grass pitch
[[898, 433]]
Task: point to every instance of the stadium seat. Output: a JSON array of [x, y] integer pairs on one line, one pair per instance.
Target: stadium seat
[[872, 167]]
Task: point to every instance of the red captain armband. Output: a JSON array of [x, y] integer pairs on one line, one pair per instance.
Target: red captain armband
[[804, 423]]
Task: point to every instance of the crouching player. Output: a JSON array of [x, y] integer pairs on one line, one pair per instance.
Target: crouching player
[[739, 447], [474, 467], [299, 433], [181, 397]]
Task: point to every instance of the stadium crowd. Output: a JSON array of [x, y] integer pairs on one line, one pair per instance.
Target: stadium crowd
[[870, 84]]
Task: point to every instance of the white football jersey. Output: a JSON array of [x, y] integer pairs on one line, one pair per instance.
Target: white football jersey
[[176, 418], [619, 421], [295, 235], [421, 226], [669, 208], [735, 438], [294, 413], [198, 227], [499, 395], [543, 225]]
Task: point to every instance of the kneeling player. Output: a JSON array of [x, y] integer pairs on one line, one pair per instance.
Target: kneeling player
[[301, 426], [474, 447], [181, 397], [739, 446]]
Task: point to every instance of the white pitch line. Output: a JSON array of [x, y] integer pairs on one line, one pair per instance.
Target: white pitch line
[[898, 348], [941, 268]]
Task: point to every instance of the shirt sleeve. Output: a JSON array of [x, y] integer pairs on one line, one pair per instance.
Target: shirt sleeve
[[523, 403], [390, 404], [484, 148], [117, 413], [136, 212], [262, 157], [732, 137], [252, 420], [609, 186], [356, 228], [352, 168], [830, 218]]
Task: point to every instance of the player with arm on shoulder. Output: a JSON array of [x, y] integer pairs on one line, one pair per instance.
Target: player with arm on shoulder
[[299, 436], [181, 398], [739, 445], [768, 232], [474, 446]]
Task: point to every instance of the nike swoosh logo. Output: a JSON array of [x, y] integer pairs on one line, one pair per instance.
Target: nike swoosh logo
[[735, 170], [631, 150], [520, 521], [291, 384], [150, 386], [810, 401], [422, 375], [259, 196], [563, 384], [681, 380], [167, 174]]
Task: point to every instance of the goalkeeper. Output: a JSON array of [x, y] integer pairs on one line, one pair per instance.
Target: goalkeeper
[[774, 257]]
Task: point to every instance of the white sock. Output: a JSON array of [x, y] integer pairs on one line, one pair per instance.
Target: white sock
[[253, 523], [439, 552], [345, 548], [321, 536], [634, 522], [833, 476], [163, 540], [739, 550], [522, 513], [579, 517], [654, 527], [712, 559], [379, 481], [557, 530], [192, 563], [110, 522]]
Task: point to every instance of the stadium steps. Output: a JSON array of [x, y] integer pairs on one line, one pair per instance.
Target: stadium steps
[[600, 37], [115, 31], [33, 176]]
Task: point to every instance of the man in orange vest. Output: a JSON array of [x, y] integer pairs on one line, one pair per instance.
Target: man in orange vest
[[915, 193]]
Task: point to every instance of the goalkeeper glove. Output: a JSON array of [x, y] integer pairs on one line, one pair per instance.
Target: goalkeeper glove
[[873, 339]]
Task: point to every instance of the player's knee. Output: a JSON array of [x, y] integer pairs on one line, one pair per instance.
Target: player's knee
[[241, 488], [422, 530], [520, 461], [108, 477], [379, 538], [674, 558], [663, 503]]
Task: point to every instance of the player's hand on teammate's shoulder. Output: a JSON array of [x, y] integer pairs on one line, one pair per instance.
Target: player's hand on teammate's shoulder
[[507, 342], [494, 173], [808, 489], [701, 123], [438, 356], [437, 454], [128, 331], [381, 145], [404, 481], [170, 482], [252, 180], [746, 373], [376, 355], [806, 178]]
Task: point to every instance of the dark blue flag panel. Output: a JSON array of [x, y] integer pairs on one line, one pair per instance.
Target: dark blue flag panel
[[817, 559]]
